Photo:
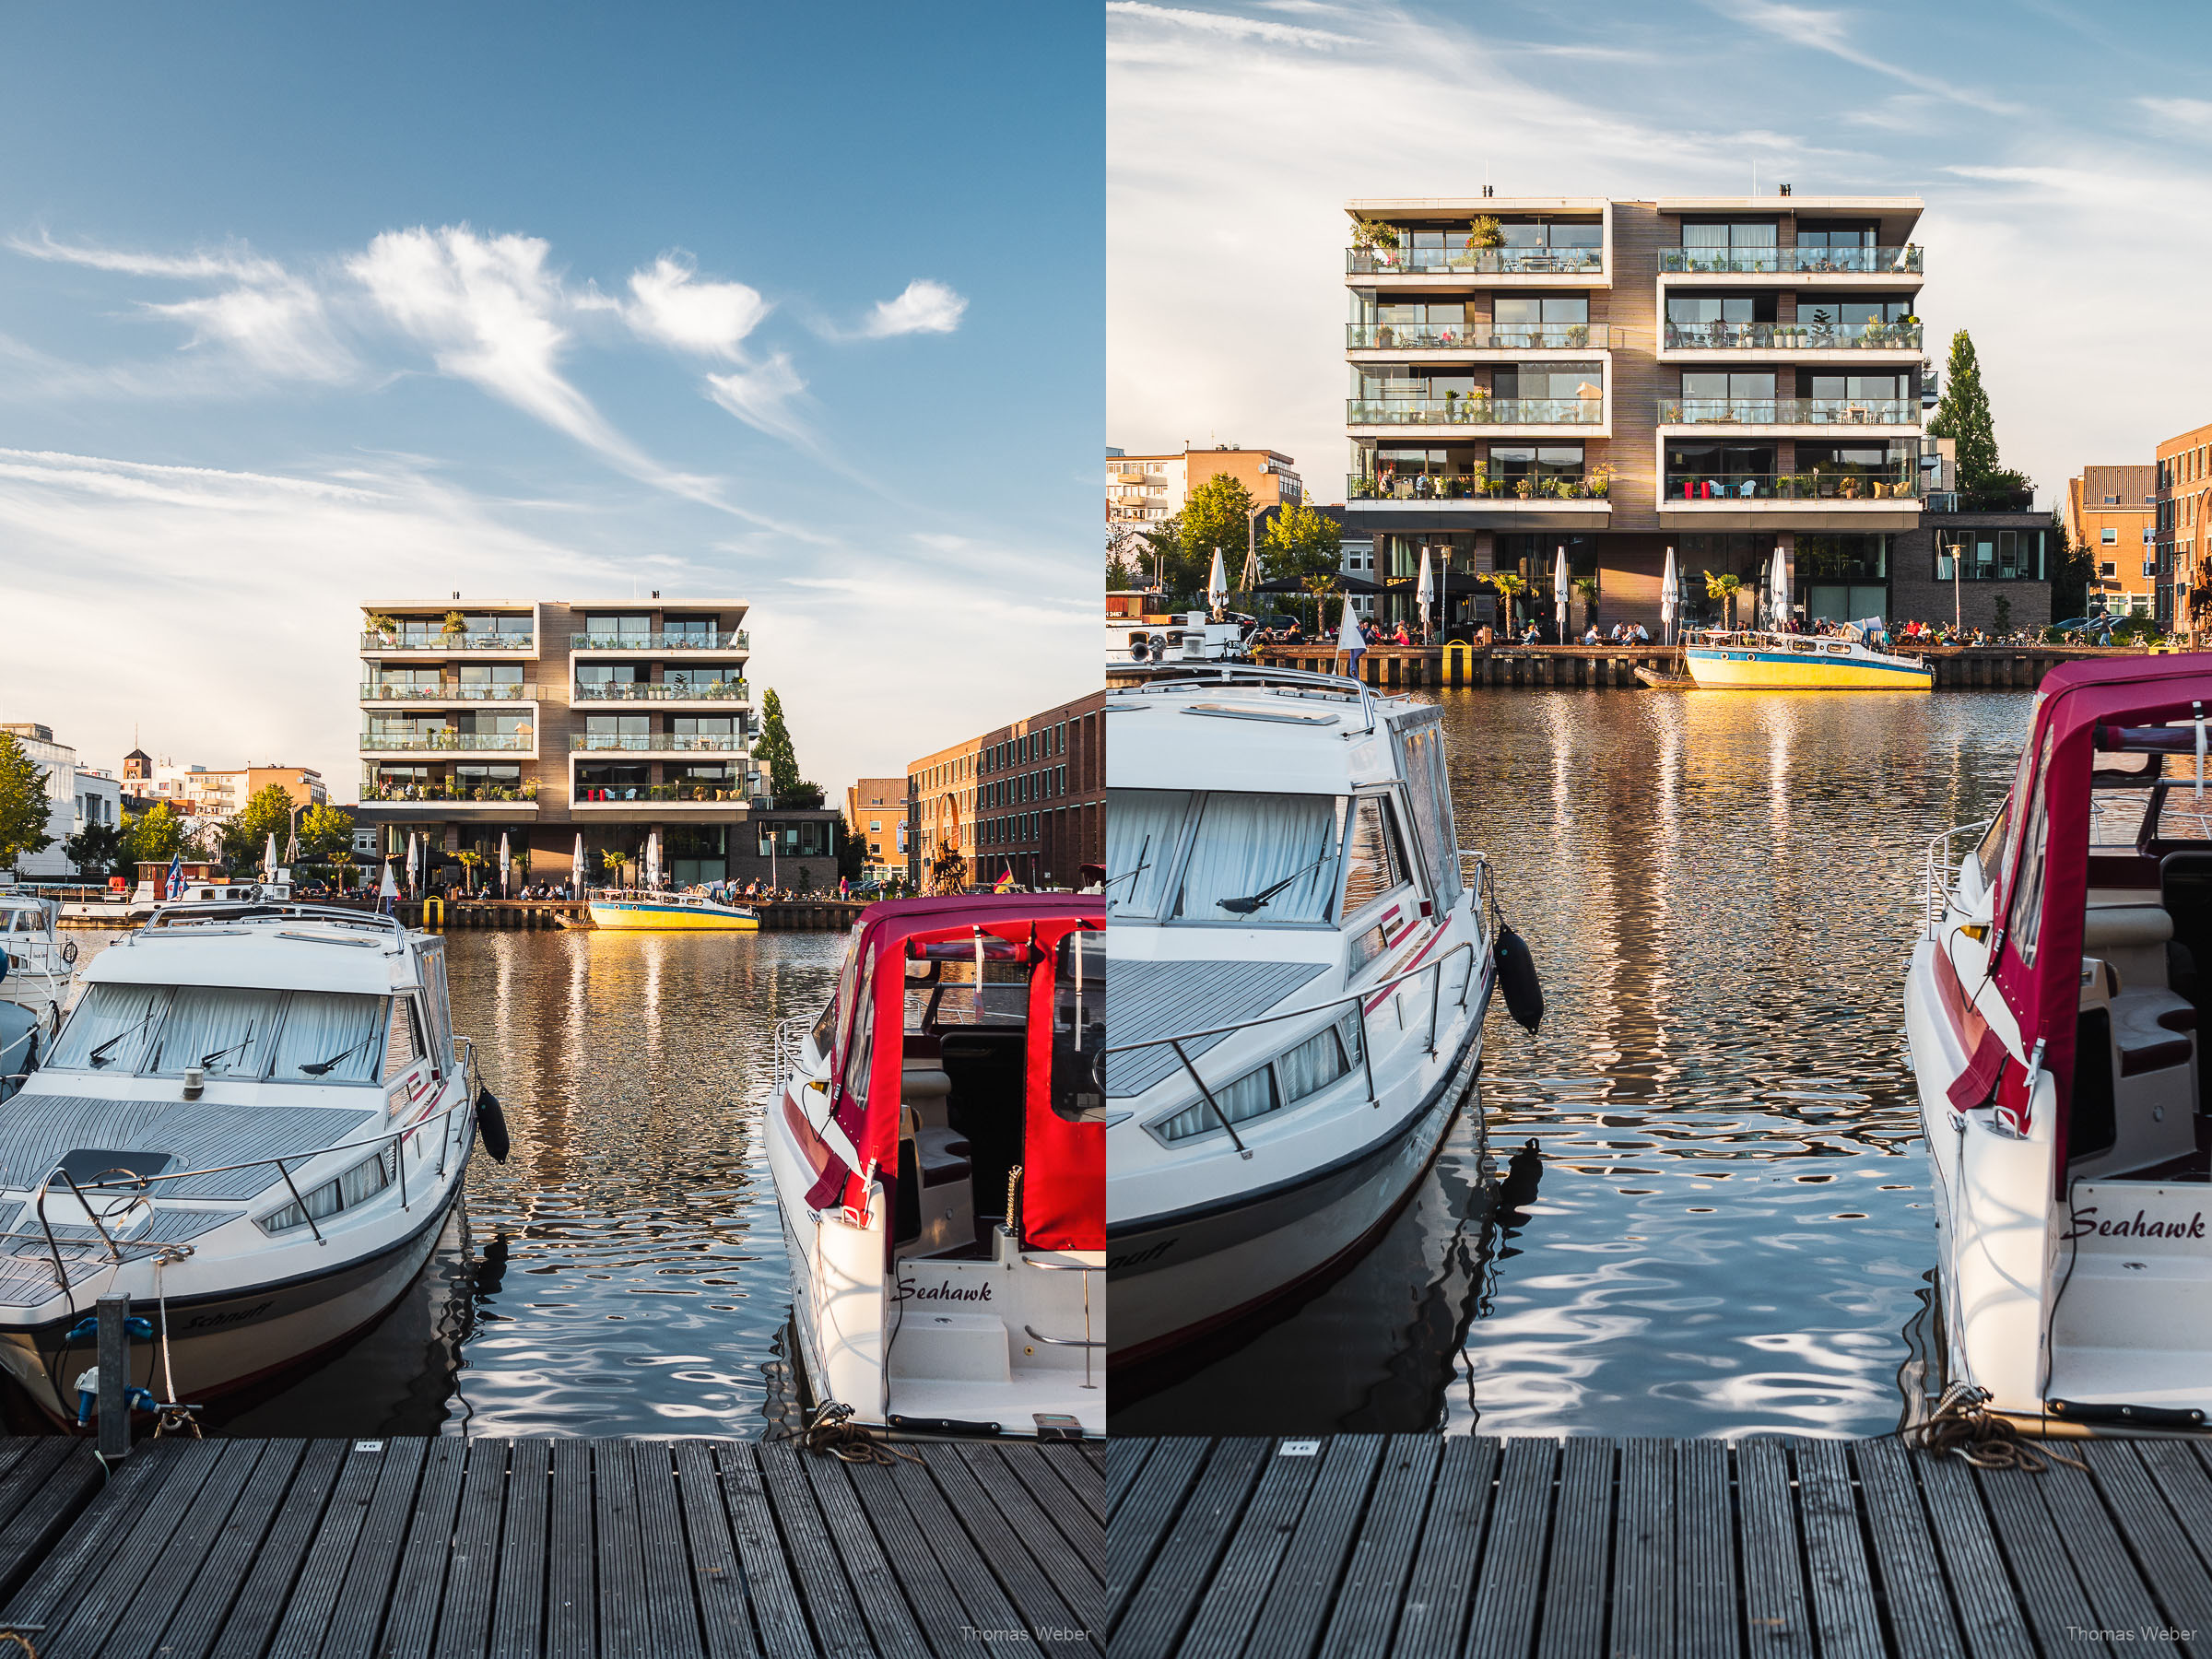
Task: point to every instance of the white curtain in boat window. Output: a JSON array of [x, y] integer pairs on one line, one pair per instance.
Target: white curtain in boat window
[[1376, 864], [330, 1026], [1248, 843], [1251, 1096], [1141, 828], [226, 1030], [1428, 787], [1319, 1060], [111, 1029]]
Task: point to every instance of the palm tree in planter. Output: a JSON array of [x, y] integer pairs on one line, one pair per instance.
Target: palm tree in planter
[[454, 624], [1586, 589], [1724, 588], [1514, 586]]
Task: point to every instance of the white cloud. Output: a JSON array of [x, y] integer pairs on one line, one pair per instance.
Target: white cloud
[[2194, 114], [238, 265], [670, 305], [280, 328], [762, 396], [1221, 24], [1828, 31], [926, 307]]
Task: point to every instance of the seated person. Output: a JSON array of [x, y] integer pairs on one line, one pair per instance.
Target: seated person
[[1590, 635]]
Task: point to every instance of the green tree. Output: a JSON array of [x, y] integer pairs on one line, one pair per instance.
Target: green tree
[[774, 751], [97, 851], [1586, 589], [1963, 415], [1514, 586], [2070, 570], [23, 802], [1724, 588], [1301, 542], [154, 836], [246, 837], [325, 832], [1121, 575], [1215, 514]]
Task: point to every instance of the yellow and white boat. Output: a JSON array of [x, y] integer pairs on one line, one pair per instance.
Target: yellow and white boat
[[670, 912], [1782, 662]]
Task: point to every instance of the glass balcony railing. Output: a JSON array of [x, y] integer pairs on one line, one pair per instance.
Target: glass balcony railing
[[616, 691], [419, 640], [413, 738], [450, 691], [1593, 486], [1476, 411], [1809, 262], [1789, 336], [440, 789], [1473, 262], [1789, 411], [1477, 337], [738, 641], [682, 742], [1900, 485]]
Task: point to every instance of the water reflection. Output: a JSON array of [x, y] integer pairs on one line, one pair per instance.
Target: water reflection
[[623, 1273], [1732, 1233]]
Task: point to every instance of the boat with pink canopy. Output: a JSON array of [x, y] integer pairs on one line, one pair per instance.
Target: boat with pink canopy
[[2053, 1007]]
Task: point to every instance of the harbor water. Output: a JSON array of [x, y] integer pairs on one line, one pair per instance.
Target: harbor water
[[1729, 1230], [623, 1272]]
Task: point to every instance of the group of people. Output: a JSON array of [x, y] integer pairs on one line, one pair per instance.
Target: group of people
[[1622, 633]]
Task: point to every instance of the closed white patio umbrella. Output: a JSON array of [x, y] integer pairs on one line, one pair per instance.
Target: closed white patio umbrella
[[414, 865], [652, 858], [1670, 599], [576, 868], [1216, 585], [1558, 591], [1424, 592], [268, 859], [1782, 603], [502, 864]]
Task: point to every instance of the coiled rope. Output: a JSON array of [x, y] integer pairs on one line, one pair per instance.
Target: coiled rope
[[20, 1641], [831, 1430], [1962, 1424]]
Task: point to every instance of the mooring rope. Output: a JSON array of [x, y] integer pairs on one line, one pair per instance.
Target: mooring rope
[[20, 1641], [831, 1430], [172, 1415], [1963, 1425]]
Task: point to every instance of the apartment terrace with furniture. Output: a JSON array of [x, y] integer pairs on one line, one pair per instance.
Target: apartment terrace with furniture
[[1722, 375]]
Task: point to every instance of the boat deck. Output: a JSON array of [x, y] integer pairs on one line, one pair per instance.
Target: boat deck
[[1368, 1544], [681, 1550]]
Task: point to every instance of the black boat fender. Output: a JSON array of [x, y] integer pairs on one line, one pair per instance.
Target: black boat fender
[[491, 1126], [1517, 977]]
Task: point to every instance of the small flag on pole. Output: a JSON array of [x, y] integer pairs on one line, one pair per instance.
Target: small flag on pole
[[174, 887]]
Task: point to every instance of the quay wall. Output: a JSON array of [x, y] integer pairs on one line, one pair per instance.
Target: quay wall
[[1543, 667]]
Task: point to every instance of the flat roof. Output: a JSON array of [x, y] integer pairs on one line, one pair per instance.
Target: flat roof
[[1361, 206], [1788, 203], [493, 605]]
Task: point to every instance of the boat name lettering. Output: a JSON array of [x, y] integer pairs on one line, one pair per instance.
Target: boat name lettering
[[2086, 1225], [946, 1292], [204, 1320], [1134, 1258]]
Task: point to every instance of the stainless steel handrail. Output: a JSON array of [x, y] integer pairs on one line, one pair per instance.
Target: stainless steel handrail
[[1937, 863], [1357, 998]]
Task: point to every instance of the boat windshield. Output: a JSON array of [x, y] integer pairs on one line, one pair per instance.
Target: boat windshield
[[225, 1031], [1263, 860], [1142, 829]]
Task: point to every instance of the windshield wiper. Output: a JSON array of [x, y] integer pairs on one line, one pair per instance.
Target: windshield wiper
[[99, 1056], [1143, 864], [208, 1060], [322, 1067], [1244, 907]]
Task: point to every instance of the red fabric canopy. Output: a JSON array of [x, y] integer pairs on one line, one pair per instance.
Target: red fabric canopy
[[2038, 965]]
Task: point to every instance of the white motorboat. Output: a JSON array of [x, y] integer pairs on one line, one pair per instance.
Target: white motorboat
[[253, 1123], [936, 1142], [1299, 970], [187, 885], [1192, 637], [2053, 1005], [37, 969]]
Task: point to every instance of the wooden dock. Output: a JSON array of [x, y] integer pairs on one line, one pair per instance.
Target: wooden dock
[[1542, 667], [599, 1548], [1364, 1546]]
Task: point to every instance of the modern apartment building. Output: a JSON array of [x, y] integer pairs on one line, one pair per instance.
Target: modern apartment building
[[1143, 490], [1722, 375], [1027, 799], [76, 797], [543, 720], [2181, 547], [2112, 512]]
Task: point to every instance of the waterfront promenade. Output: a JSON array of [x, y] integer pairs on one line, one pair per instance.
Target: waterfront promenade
[[1537, 667], [1368, 1544], [678, 1550]]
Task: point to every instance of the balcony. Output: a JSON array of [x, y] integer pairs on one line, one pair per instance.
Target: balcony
[[737, 641], [1472, 263], [1699, 488], [1789, 411], [523, 796], [1477, 412], [1789, 336], [409, 740], [450, 691], [1791, 262], [717, 743], [616, 691], [1592, 490], [413, 641], [1478, 336], [689, 798]]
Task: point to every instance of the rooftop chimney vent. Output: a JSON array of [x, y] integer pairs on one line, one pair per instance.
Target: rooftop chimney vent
[[1785, 190], [1486, 190]]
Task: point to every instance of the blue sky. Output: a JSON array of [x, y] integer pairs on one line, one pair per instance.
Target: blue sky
[[2061, 149], [302, 307]]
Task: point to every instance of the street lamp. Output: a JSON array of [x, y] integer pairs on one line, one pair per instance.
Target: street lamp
[[1958, 600]]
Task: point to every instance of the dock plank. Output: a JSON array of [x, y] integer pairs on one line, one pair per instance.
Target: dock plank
[[672, 1619], [572, 1554], [1156, 1484], [1454, 1529], [370, 1478], [1577, 1581], [1643, 1552], [79, 1550], [177, 1573], [816, 1564], [2118, 1595], [1921, 1623], [774, 1596], [1297, 1604], [1167, 1598], [1125, 1461], [268, 1504], [518, 1606], [1777, 1618], [326, 1471], [876, 1585], [1510, 1589], [2051, 1596], [134, 1549], [1255, 1547], [1707, 1622], [965, 1566], [1056, 1499], [1842, 1583], [725, 1621], [1990, 1621], [2155, 1536], [42, 1491], [429, 1550], [1381, 1558], [358, 1612], [620, 1599], [1067, 1629], [1079, 1577]]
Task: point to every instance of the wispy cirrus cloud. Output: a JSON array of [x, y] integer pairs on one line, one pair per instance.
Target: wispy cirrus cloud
[[669, 304], [1230, 28], [2192, 114], [1831, 32]]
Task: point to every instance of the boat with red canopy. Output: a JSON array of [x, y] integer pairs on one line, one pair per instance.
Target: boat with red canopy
[[2053, 1007], [936, 1136]]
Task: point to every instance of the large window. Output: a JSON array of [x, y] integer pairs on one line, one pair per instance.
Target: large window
[[1261, 860], [1987, 555], [1748, 234], [277, 1036]]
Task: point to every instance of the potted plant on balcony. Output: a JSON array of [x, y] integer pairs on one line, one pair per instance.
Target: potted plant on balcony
[[1484, 232], [530, 790], [1578, 335], [453, 626], [1526, 489], [386, 628], [1376, 238], [1600, 480]]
